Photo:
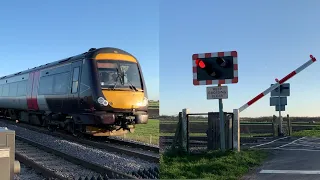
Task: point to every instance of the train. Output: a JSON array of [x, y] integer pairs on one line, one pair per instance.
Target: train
[[101, 92]]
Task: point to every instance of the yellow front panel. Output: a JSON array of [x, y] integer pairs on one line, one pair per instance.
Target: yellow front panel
[[123, 99]]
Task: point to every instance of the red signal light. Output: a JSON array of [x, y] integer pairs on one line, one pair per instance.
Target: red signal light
[[200, 63]]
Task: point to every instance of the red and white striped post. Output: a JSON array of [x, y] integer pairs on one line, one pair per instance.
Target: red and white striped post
[[236, 129]]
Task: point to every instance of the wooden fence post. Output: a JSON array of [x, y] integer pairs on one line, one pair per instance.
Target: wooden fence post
[[289, 125], [274, 126]]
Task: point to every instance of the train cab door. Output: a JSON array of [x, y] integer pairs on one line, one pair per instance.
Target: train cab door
[[73, 99]]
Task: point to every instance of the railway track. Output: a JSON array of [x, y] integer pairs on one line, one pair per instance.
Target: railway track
[[135, 149], [103, 158], [58, 165]]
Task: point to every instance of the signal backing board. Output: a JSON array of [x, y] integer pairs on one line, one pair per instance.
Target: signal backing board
[[234, 54]]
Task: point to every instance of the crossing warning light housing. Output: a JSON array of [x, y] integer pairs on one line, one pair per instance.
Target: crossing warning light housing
[[215, 68]]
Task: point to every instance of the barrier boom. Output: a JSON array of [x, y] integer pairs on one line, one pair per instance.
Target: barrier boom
[[267, 91]]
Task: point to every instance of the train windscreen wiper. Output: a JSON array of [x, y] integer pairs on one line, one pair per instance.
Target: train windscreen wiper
[[131, 85], [118, 76]]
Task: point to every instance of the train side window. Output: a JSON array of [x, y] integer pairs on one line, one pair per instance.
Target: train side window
[[75, 80], [22, 88], [5, 90], [61, 83], [13, 88], [75, 73], [45, 87], [1, 90]]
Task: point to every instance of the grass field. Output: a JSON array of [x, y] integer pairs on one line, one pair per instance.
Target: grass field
[[204, 134], [212, 165], [153, 104], [147, 133], [314, 132]]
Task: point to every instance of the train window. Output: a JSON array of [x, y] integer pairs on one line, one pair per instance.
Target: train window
[[22, 88], [75, 74], [13, 87], [74, 86], [5, 90], [45, 87], [61, 83], [75, 80]]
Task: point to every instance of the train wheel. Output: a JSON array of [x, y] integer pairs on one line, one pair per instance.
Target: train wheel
[[73, 128], [51, 128]]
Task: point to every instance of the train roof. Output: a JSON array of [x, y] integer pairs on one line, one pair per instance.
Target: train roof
[[90, 54]]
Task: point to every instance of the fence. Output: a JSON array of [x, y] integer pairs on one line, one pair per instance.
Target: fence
[[197, 128]]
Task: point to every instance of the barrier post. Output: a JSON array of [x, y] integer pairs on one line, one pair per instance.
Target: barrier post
[[236, 130], [185, 112]]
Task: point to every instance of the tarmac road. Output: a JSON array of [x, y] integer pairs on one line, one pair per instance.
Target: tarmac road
[[292, 158]]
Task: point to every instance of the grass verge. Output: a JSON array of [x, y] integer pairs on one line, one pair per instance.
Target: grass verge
[[315, 132], [214, 165], [147, 133], [204, 134]]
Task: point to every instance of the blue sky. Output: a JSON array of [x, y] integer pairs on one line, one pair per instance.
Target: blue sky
[[37, 32], [272, 38]]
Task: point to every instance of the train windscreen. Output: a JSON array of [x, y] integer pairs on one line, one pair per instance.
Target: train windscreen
[[119, 75]]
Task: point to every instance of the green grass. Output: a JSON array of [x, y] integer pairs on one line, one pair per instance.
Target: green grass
[[315, 132], [190, 134], [241, 135], [147, 133], [254, 134], [153, 105], [212, 165]]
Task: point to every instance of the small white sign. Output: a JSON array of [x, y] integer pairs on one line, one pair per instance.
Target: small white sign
[[217, 92]]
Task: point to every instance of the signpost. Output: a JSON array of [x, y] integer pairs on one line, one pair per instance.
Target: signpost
[[279, 100], [216, 68]]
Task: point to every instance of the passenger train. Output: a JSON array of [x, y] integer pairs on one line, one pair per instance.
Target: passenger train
[[101, 92]]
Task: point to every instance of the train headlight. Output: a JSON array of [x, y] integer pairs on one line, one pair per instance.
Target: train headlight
[[144, 102], [105, 103], [102, 101]]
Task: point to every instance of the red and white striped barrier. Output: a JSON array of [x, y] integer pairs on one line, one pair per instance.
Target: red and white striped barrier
[[236, 112], [267, 91]]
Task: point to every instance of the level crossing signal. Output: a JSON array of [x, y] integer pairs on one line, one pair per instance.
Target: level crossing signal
[[215, 68]]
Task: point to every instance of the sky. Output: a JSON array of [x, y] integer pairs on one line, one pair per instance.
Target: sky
[[272, 39], [35, 32]]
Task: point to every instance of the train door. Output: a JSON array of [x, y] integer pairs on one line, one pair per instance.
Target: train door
[[32, 90], [75, 86]]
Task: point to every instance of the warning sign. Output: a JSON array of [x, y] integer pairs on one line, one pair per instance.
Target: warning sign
[[217, 92]]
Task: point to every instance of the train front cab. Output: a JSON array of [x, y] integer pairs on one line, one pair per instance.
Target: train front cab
[[123, 95]]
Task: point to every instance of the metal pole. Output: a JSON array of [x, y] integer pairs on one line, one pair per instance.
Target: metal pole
[[222, 128], [280, 118]]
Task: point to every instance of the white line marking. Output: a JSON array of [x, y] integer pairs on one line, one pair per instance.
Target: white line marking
[[289, 143], [288, 149], [289, 172], [306, 145], [310, 150], [268, 142]]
